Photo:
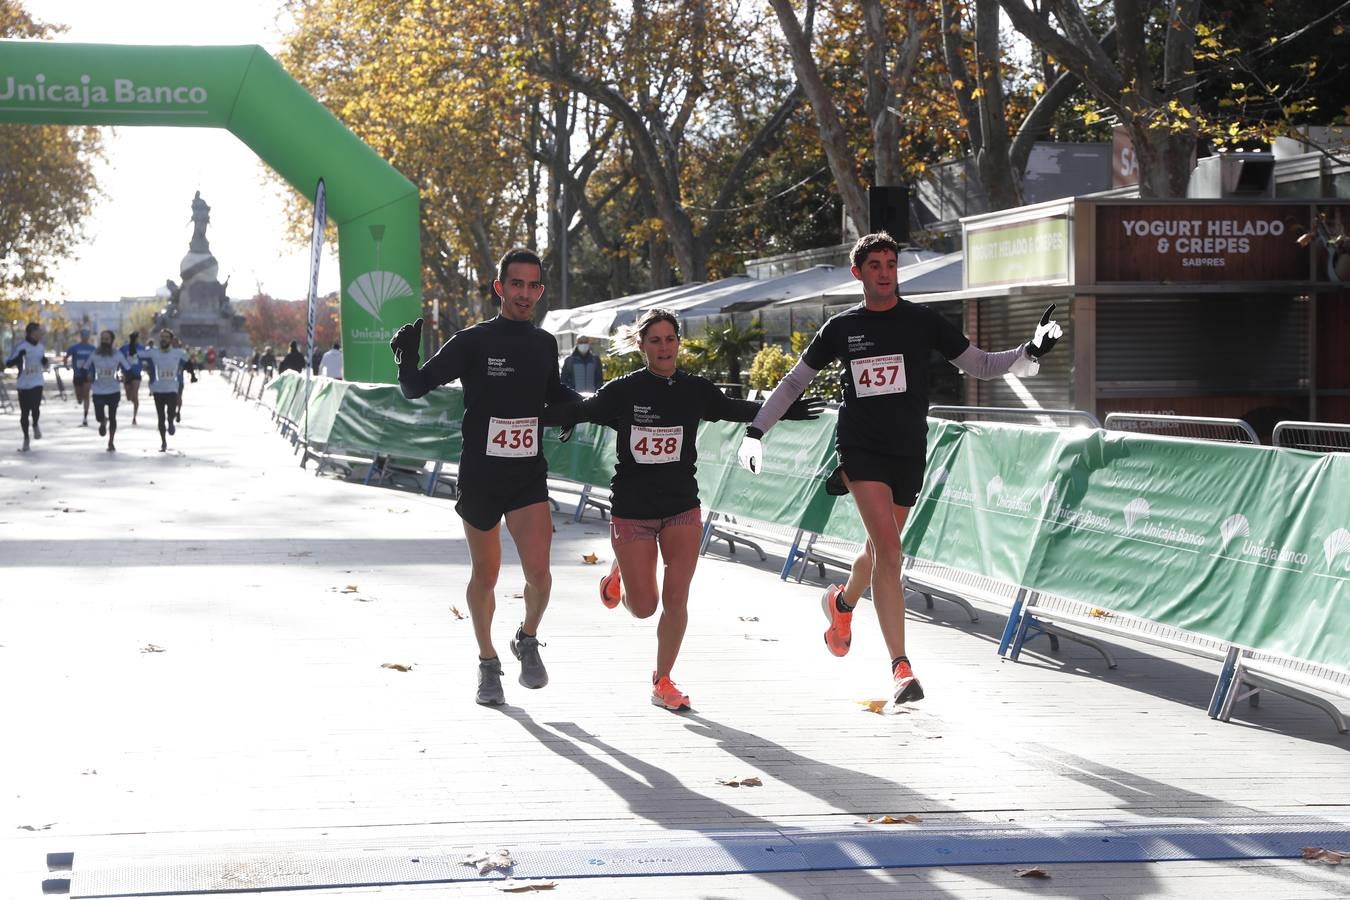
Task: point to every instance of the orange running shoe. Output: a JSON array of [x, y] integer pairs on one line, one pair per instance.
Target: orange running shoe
[[839, 635], [907, 688], [611, 589], [666, 694]]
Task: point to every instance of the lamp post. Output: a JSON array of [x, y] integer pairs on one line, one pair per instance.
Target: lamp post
[[562, 247]]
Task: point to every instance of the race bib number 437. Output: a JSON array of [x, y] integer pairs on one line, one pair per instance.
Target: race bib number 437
[[656, 445], [878, 375], [513, 437]]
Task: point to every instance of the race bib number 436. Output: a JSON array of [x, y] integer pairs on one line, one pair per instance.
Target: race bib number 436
[[656, 445], [513, 437], [878, 375]]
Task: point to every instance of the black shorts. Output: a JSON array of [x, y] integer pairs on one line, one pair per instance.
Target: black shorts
[[105, 404], [482, 503], [81, 378], [904, 474]]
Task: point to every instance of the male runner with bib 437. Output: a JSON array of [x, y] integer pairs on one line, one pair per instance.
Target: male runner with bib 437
[[509, 371], [884, 343]]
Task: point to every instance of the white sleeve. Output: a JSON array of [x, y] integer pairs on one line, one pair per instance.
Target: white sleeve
[[788, 390], [985, 365]]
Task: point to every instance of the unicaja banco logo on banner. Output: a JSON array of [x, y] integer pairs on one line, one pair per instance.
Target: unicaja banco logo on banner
[[53, 94], [1138, 512], [1236, 526], [371, 292], [1335, 546], [996, 494]]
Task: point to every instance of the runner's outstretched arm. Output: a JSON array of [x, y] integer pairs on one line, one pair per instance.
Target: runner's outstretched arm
[[1020, 361], [443, 367], [793, 385]]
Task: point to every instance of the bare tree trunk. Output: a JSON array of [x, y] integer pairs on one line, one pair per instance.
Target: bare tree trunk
[[833, 137]]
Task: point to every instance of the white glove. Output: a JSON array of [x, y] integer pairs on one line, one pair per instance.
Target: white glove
[[751, 455]]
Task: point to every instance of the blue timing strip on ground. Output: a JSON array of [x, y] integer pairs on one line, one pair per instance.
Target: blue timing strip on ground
[[709, 853]]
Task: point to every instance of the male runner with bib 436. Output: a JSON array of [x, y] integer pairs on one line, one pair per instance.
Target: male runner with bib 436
[[884, 343], [509, 371]]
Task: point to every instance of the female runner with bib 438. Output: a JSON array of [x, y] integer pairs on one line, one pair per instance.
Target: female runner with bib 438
[[654, 493]]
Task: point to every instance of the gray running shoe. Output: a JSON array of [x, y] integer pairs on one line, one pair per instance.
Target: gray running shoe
[[490, 683], [533, 675]]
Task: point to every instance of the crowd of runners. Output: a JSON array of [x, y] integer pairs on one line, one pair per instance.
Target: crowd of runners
[[102, 374], [509, 373]]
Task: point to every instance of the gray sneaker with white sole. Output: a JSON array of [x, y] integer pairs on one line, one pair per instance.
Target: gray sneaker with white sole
[[525, 648], [490, 682]]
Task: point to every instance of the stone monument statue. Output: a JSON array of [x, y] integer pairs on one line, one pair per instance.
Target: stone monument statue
[[198, 309]]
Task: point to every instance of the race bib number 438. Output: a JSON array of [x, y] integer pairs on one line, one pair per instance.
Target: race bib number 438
[[878, 375], [513, 437], [656, 445]]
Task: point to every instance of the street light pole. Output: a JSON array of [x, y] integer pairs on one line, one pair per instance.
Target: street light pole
[[562, 247]]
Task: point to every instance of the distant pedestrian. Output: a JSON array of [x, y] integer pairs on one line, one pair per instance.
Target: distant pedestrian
[[30, 356], [294, 360], [316, 360], [582, 371], [331, 364], [77, 356], [189, 369]]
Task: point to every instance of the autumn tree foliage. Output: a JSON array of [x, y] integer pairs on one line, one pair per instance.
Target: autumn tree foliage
[[47, 188]]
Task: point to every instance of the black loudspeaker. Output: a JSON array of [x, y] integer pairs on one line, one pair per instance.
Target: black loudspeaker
[[888, 210]]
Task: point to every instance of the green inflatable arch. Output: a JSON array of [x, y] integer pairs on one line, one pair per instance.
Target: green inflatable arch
[[245, 90]]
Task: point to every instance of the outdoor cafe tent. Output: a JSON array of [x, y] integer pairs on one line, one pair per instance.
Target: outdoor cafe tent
[[930, 274], [597, 319]]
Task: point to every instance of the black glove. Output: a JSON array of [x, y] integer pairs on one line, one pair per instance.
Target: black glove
[[802, 408], [407, 344], [1047, 335], [565, 433]]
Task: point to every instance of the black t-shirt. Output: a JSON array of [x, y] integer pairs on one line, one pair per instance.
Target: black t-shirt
[[657, 423], [885, 377], [509, 370]]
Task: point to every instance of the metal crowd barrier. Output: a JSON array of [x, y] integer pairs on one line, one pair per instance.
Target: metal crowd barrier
[[1320, 437], [1197, 428], [1048, 418]]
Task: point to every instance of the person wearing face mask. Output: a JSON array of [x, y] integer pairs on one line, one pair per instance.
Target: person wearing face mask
[[103, 365], [582, 371], [30, 356], [164, 364]]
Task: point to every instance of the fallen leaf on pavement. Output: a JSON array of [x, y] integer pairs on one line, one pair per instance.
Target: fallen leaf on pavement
[[397, 667], [1033, 872], [893, 820], [873, 706], [749, 618], [751, 637], [487, 860], [1100, 613], [1322, 854], [752, 781], [152, 648], [454, 611], [392, 510], [590, 559], [512, 886], [350, 589], [36, 827]]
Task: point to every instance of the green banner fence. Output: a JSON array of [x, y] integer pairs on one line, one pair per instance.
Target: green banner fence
[[1243, 544]]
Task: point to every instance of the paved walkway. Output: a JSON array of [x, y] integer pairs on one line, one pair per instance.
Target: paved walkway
[[191, 651]]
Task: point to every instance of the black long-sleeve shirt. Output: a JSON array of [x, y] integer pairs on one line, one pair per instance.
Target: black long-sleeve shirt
[[657, 423], [509, 371]]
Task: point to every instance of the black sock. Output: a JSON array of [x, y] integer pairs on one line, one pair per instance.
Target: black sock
[[899, 659], [840, 605], [520, 633]]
